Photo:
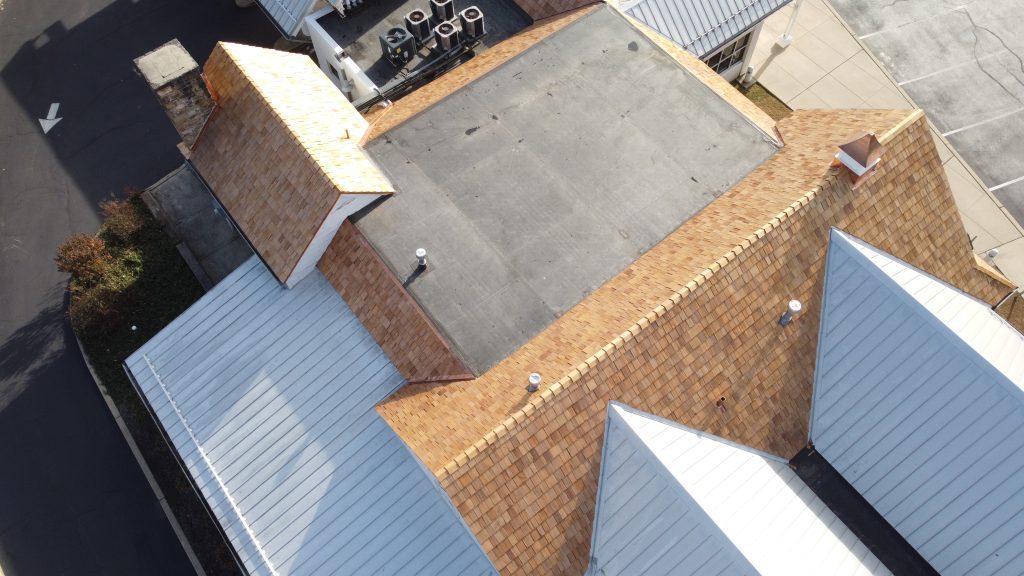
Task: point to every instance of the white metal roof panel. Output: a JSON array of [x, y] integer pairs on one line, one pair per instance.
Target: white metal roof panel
[[288, 14], [268, 395], [672, 500], [918, 403], [701, 26]]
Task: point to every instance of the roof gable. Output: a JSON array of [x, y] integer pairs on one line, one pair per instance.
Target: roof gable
[[672, 500], [918, 403], [281, 150]]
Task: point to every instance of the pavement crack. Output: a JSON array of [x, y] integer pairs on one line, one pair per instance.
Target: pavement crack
[[977, 41]]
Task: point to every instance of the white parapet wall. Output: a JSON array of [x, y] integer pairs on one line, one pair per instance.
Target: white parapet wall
[[342, 70]]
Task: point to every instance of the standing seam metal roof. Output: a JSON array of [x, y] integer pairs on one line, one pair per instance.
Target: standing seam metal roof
[[267, 394], [288, 14], [701, 26], [672, 500], [919, 404]]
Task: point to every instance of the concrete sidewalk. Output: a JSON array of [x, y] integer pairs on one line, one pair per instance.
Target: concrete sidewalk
[[826, 66]]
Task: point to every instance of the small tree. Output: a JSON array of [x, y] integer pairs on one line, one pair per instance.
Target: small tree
[[83, 256], [122, 219]]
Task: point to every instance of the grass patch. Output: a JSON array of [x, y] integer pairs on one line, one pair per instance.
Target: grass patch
[[127, 282], [766, 101]]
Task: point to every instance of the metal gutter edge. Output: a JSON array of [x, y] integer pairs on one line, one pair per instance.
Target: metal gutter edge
[[175, 526]]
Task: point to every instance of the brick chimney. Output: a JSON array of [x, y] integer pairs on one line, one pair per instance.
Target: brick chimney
[[860, 156], [176, 80]]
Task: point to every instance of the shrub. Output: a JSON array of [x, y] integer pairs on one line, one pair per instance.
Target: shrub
[[93, 309], [122, 219], [83, 256]]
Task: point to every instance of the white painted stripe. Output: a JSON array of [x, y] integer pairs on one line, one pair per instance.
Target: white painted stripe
[[954, 67], [983, 122], [1005, 184]]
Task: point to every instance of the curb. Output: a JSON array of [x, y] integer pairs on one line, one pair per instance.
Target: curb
[[193, 559]]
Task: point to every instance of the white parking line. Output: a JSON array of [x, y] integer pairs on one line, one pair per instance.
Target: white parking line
[[955, 66], [1005, 184], [986, 121]]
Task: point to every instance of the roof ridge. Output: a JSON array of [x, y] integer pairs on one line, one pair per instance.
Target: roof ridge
[[576, 374], [352, 140]]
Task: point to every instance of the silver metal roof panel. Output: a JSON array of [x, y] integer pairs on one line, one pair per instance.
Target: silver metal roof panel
[[673, 500], [918, 403], [268, 396], [701, 26]]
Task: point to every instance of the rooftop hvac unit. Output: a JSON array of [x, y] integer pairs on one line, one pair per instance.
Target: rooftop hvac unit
[[472, 20], [417, 23], [443, 10], [447, 36], [398, 46]]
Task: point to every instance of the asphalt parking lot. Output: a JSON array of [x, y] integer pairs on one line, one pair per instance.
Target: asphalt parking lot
[[963, 62]]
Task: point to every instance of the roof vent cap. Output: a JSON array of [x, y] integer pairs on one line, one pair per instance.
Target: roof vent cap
[[793, 310], [534, 384]]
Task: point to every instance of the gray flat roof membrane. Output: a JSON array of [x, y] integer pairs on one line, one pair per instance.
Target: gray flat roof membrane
[[535, 184]]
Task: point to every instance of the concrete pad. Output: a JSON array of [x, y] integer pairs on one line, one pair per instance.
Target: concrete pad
[[888, 98], [819, 51], [1012, 198], [835, 94], [944, 153], [799, 66], [778, 81], [859, 81], [966, 190], [838, 37], [807, 100]]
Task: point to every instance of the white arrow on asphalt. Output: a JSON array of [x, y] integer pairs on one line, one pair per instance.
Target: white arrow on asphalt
[[51, 118]]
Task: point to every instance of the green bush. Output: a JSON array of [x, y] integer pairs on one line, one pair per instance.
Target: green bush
[[85, 257]]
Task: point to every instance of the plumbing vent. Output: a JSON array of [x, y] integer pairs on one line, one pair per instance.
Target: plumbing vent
[[861, 156]]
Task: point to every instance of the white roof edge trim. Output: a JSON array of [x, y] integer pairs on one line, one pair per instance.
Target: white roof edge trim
[[614, 411], [213, 471], [444, 496], [848, 241], [699, 433], [977, 357]]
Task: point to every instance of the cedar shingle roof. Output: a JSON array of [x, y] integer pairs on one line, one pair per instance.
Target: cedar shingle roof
[[440, 421], [708, 300], [280, 149]]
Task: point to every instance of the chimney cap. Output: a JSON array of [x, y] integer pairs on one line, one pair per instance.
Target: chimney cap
[[861, 153]]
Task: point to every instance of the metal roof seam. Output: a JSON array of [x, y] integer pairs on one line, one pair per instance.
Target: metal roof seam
[[209, 464]]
